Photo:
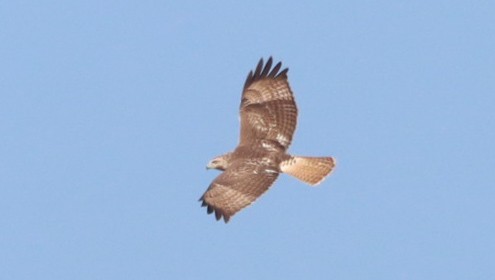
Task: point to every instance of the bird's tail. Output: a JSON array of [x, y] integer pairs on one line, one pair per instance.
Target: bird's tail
[[311, 170]]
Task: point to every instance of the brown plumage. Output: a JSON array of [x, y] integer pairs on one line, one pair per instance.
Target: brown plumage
[[268, 120]]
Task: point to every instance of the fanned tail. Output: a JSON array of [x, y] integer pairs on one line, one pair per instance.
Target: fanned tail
[[311, 170]]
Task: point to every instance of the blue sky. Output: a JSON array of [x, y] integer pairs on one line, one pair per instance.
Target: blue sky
[[110, 110]]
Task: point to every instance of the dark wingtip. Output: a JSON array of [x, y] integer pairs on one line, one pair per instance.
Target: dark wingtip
[[283, 73], [219, 214], [265, 71], [267, 67], [226, 218], [257, 72]]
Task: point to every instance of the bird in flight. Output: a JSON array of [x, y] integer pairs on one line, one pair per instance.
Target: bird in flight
[[268, 119]]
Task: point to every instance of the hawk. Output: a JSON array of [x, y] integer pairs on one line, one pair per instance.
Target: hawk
[[268, 116]]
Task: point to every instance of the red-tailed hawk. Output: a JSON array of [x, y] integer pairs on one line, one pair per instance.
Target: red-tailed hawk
[[268, 120]]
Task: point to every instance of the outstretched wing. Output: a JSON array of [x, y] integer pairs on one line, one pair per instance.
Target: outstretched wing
[[237, 187], [268, 109]]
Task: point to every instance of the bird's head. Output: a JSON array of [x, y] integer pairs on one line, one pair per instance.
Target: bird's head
[[220, 162]]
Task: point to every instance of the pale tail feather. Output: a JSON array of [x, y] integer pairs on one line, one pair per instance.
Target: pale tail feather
[[311, 170]]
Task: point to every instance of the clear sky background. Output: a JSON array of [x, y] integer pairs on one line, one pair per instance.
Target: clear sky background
[[110, 110]]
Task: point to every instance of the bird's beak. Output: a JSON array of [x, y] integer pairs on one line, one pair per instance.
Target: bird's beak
[[208, 166]]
